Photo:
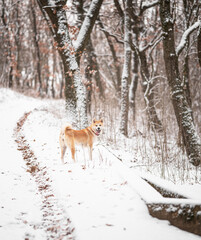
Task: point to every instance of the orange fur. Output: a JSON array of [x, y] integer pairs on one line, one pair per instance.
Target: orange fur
[[85, 137]]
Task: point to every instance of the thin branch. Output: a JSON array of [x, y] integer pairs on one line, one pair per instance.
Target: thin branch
[[135, 48], [154, 42], [110, 34]]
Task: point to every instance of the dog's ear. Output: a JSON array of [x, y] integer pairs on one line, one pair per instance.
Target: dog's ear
[[94, 120], [101, 120]]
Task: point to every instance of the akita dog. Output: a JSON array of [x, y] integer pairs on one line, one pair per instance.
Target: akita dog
[[85, 137]]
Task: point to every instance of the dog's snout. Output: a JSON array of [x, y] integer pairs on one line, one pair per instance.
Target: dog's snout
[[98, 128]]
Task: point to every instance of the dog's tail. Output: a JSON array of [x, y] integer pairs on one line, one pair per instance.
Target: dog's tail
[[65, 127]]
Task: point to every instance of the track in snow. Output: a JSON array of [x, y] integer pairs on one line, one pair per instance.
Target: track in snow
[[55, 220]]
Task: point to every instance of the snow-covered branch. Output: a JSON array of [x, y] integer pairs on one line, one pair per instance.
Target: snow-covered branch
[[145, 6], [87, 25], [185, 36]]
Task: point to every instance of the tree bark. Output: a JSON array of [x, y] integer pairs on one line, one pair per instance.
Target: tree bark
[[199, 47], [126, 70], [186, 76], [134, 84], [18, 47], [8, 45], [181, 106]]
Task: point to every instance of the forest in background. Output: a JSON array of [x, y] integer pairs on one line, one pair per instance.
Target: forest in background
[[135, 63]]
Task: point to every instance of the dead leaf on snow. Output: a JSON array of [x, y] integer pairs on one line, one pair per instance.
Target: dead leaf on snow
[[109, 225]]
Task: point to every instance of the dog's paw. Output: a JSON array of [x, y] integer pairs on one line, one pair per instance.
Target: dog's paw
[[83, 167]]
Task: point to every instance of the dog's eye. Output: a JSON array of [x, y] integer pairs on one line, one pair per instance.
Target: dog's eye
[[96, 125]]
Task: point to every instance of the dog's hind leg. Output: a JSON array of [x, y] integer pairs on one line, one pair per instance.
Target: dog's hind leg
[[63, 150], [62, 146], [72, 148], [73, 152]]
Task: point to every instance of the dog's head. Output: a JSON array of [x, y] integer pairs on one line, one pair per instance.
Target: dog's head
[[97, 126]]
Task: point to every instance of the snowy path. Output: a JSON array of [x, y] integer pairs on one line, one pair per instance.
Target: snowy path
[[20, 215], [100, 204]]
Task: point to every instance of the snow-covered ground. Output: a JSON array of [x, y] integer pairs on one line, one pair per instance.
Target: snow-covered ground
[[100, 201]]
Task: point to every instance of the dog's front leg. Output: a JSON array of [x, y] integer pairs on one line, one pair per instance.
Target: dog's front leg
[[90, 155], [84, 156]]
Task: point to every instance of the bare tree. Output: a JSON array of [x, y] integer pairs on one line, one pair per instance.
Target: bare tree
[[70, 53], [139, 56], [117, 73], [147, 82], [37, 49], [181, 105], [90, 60]]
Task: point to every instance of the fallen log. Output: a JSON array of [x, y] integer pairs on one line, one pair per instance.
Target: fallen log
[[165, 203]]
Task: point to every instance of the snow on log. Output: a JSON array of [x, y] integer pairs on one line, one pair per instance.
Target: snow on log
[[183, 216], [179, 210]]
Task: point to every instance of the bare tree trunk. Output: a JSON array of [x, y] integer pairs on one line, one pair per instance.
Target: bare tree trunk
[[126, 70], [92, 69], [199, 47], [36, 41], [135, 61], [53, 77], [62, 80], [18, 47], [186, 76], [134, 84], [10, 76], [88, 74], [180, 103], [8, 45]]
